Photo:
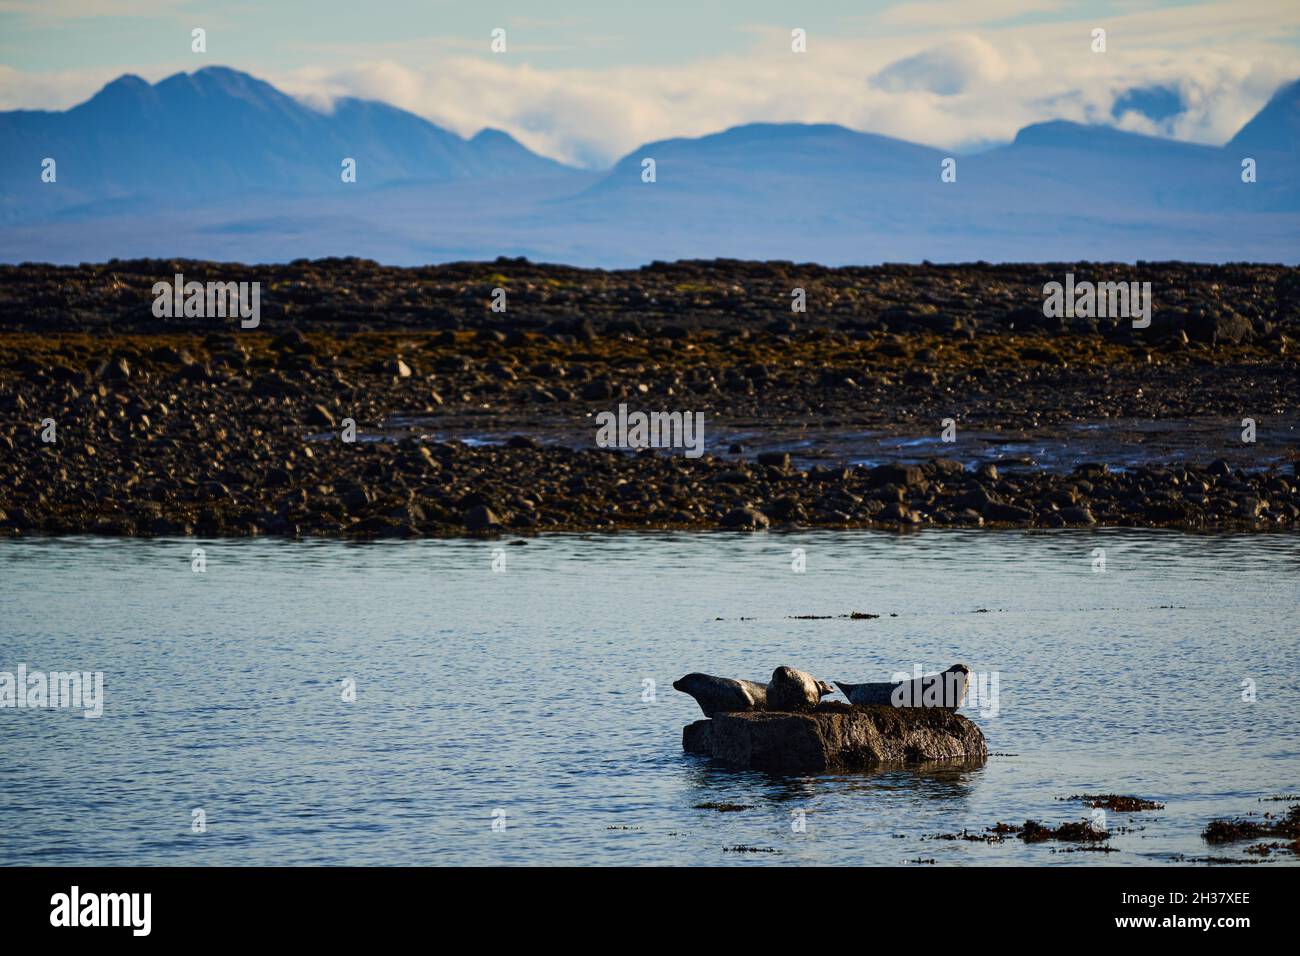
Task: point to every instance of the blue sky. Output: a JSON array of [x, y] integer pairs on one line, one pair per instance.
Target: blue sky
[[55, 34], [587, 80]]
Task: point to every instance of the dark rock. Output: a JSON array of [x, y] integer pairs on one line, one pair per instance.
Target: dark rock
[[997, 511], [785, 508], [193, 372], [1092, 470], [977, 499], [745, 519], [354, 497], [1164, 512], [775, 459], [318, 416], [1250, 507], [1217, 327], [834, 737], [481, 518], [897, 511], [377, 526], [597, 390], [905, 475], [290, 340], [163, 527]]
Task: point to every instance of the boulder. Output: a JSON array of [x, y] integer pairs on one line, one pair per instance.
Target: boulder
[[481, 518], [834, 737], [1215, 327], [905, 475], [745, 519]]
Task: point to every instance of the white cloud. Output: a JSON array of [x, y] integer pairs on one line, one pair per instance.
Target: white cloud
[[957, 66], [51, 91], [47, 11], [970, 85], [963, 13]]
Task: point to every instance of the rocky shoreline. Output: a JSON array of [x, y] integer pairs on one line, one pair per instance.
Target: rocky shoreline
[[194, 426]]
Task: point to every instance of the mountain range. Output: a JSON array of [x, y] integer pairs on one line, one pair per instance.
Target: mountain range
[[217, 164]]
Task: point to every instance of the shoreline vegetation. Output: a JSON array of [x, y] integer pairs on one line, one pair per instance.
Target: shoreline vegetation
[[191, 425]]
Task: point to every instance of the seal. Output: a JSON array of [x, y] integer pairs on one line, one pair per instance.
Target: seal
[[723, 695], [946, 691], [794, 690]]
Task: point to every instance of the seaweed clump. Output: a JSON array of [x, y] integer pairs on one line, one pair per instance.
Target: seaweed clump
[[1268, 826], [1080, 832], [1117, 802]]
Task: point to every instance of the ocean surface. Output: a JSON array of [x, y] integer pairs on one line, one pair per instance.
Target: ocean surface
[[526, 715]]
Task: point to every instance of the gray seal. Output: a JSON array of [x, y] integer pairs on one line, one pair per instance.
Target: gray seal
[[946, 691], [723, 695], [794, 690]]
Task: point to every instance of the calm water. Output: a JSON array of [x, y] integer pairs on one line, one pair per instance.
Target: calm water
[[521, 692]]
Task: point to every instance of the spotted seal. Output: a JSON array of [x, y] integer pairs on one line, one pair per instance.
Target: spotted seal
[[946, 691], [723, 695], [793, 690]]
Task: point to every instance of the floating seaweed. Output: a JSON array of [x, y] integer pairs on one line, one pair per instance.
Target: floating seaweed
[[988, 836], [1269, 825], [1083, 832], [1116, 802]]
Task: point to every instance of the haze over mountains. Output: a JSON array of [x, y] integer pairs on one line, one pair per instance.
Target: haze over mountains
[[219, 165]]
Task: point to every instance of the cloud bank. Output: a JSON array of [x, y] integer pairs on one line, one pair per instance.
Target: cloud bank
[[948, 80]]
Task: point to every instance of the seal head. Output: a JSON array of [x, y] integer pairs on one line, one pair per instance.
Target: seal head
[[795, 690]]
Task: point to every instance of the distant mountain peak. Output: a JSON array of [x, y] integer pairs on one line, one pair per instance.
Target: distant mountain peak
[[128, 86], [1066, 134], [222, 81], [1276, 127], [220, 163], [220, 132], [127, 81], [489, 134]]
